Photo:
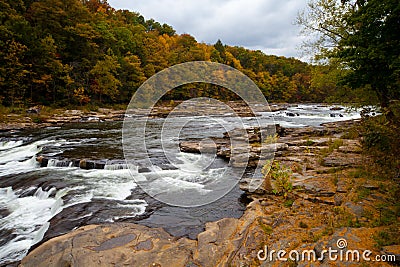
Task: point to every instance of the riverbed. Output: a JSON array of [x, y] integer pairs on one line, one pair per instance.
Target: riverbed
[[39, 202]]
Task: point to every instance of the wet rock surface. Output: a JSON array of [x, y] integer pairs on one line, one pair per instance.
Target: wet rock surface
[[242, 147]]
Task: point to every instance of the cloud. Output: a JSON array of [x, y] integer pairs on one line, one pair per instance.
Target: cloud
[[266, 25]]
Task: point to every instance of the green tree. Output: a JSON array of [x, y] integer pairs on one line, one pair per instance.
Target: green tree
[[47, 69], [105, 82], [13, 51], [12, 73], [324, 83], [282, 89], [363, 36], [221, 49], [324, 24], [372, 51], [131, 76]]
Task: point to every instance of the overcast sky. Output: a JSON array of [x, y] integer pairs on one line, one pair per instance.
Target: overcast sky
[[255, 24]]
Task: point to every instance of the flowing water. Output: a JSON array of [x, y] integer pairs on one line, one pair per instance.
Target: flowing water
[[37, 203]]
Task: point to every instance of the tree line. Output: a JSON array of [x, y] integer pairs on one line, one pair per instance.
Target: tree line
[[75, 52]]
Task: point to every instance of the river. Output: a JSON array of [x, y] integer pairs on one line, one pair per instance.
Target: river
[[37, 203]]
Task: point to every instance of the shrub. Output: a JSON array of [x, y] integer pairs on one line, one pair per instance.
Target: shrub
[[282, 176], [381, 140], [303, 224], [37, 119], [387, 237], [288, 203]]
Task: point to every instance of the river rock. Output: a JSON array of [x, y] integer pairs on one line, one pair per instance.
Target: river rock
[[316, 187], [339, 198], [370, 186], [90, 164], [212, 244], [241, 161], [350, 146], [357, 210], [342, 186], [223, 243], [254, 186], [189, 147], [290, 114], [291, 133], [337, 159], [73, 112], [224, 152], [119, 244], [209, 146], [310, 142], [42, 161], [274, 147], [280, 131], [34, 110], [277, 107]]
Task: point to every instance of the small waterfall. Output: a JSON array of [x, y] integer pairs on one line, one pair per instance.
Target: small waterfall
[[57, 206], [86, 164], [28, 217], [121, 166], [59, 163], [20, 153], [40, 194], [40, 234], [9, 144]]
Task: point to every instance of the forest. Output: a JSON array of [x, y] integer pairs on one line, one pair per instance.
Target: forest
[[65, 53]]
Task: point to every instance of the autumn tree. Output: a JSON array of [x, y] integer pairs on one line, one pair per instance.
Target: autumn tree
[[12, 72], [13, 51], [131, 76], [58, 52]]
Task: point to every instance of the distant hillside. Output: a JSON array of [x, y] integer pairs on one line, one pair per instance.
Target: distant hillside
[[63, 52]]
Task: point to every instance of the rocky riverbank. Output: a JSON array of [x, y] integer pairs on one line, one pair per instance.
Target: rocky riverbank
[[331, 198], [37, 118], [57, 117]]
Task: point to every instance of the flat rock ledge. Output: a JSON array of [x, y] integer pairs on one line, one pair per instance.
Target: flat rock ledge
[[227, 242], [119, 244], [126, 244]]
